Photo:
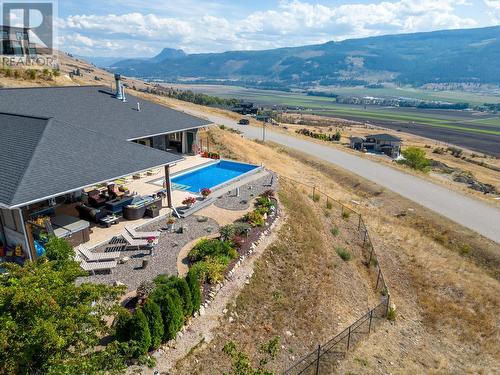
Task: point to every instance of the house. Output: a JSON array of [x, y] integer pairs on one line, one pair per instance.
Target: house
[[16, 41], [380, 143], [56, 142], [245, 108]]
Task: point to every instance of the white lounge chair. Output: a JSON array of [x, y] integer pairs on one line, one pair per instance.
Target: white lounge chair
[[96, 266], [133, 242], [139, 235], [90, 256]]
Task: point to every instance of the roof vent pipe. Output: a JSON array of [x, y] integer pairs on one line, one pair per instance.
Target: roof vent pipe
[[120, 91], [138, 107]]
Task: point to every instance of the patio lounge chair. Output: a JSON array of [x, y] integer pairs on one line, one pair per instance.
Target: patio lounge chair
[[138, 243], [90, 256], [139, 235], [114, 192], [96, 266]]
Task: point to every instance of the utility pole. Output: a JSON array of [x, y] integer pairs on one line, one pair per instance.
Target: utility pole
[[264, 130]]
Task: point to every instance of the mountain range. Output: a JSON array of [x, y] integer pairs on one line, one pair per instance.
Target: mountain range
[[465, 55]]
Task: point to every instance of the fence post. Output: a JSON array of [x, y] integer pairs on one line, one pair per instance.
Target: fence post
[[359, 222], [317, 359], [378, 278], [364, 239], [348, 339], [314, 192], [370, 325], [387, 306], [327, 201]]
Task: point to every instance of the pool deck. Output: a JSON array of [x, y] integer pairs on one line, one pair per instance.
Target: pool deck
[[146, 185]]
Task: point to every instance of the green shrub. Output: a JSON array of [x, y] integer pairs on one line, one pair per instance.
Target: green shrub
[[264, 202], [122, 327], [241, 228], [210, 270], [170, 304], [262, 211], [139, 333], [335, 231], [255, 219], [227, 232], [182, 288], [58, 249], [346, 215], [344, 253], [194, 286], [315, 197], [155, 322], [391, 313], [212, 248], [415, 158], [329, 204]]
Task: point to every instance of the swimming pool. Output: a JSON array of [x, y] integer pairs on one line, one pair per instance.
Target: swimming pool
[[211, 176]]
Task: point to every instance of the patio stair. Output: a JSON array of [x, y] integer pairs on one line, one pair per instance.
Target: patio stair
[[185, 211], [180, 187]]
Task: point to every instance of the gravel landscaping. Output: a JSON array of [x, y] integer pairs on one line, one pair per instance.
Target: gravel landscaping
[[164, 257], [230, 200]]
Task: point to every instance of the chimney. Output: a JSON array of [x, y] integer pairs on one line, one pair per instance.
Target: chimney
[[120, 91]]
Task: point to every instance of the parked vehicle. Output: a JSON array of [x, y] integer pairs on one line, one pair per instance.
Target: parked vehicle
[[244, 121]]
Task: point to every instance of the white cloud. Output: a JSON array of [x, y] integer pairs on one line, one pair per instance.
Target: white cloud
[[291, 23], [493, 9]]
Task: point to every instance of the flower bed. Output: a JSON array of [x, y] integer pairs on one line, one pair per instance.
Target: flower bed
[[241, 237]]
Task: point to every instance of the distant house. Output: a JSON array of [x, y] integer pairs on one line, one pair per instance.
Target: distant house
[[245, 108], [383, 143], [16, 41]]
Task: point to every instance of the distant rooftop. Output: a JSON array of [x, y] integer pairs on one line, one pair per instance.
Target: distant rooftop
[[384, 137]]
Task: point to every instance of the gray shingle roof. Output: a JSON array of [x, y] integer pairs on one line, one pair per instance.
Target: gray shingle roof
[[94, 108], [384, 137], [41, 157]]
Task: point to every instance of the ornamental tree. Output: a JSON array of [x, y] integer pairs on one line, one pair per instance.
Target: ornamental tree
[[49, 324]]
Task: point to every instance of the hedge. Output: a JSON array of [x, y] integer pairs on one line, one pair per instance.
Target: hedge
[[155, 322], [171, 310], [139, 333], [194, 286]]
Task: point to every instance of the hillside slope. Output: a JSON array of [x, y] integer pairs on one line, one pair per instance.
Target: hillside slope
[[440, 56]]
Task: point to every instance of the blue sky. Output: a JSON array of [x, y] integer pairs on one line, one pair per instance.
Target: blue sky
[[130, 28]]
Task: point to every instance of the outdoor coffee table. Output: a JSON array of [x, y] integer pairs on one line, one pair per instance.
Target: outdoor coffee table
[[109, 220]]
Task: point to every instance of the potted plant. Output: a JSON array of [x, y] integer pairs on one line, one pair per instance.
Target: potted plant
[[205, 192], [153, 211], [189, 201], [170, 223]]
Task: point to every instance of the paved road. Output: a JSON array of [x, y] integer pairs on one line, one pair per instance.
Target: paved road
[[464, 210]]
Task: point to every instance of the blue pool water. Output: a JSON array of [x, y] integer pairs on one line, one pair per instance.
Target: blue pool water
[[211, 175]]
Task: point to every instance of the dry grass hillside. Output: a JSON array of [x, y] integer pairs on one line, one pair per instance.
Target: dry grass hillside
[[301, 290], [444, 279]]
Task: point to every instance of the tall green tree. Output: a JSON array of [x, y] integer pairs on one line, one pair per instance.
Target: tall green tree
[[49, 324], [194, 286], [139, 333], [155, 322], [170, 304]]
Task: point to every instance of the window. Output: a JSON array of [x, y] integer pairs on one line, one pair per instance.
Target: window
[[18, 49], [4, 35], [21, 36], [8, 219]]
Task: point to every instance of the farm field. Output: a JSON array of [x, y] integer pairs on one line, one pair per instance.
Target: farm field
[[474, 130]]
